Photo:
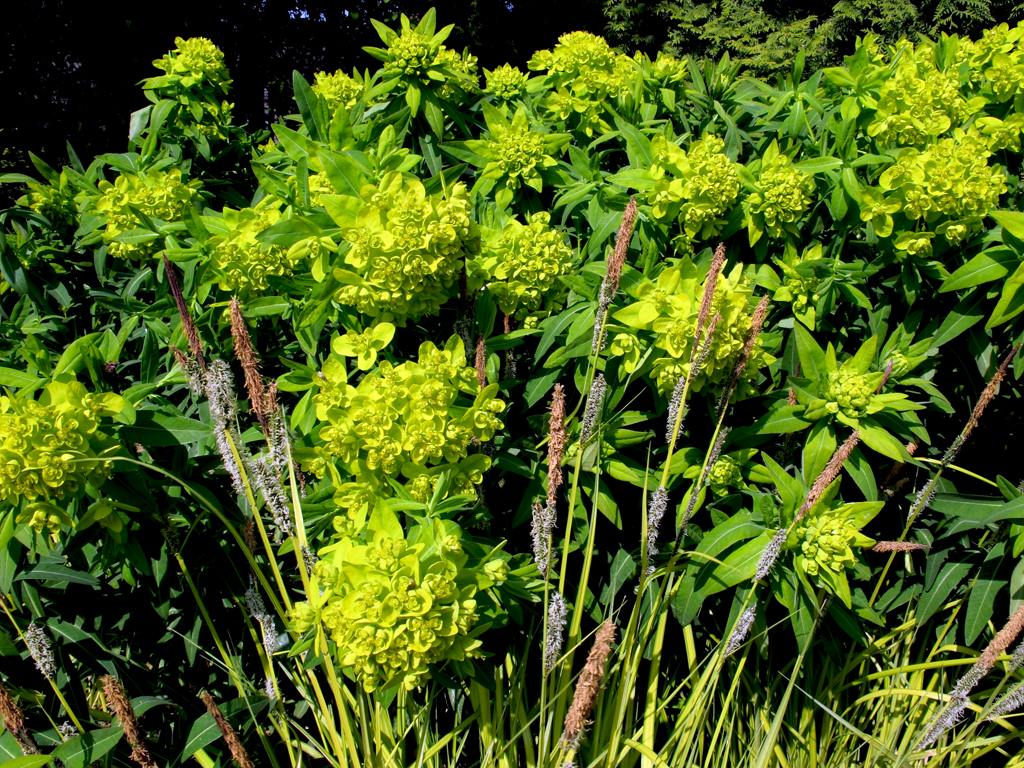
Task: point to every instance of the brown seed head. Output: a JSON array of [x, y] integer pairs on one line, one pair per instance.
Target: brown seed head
[[791, 397], [708, 297], [829, 473], [990, 391], [480, 361], [14, 722], [250, 364], [588, 686], [557, 440], [117, 699], [234, 744], [195, 345], [898, 546], [756, 325], [618, 257], [1003, 640]]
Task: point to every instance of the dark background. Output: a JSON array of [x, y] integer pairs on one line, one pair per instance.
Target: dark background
[[70, 70]]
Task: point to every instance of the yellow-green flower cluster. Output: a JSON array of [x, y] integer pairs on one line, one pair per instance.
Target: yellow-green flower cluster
[[407, 249], [337, 90], [918, 101], [997, 57], [583, 71], [670, 308], [57, 203], [411, 54], [724, 474], [823, 542], [396, 604], [783, 194], [1002, 134], [51, 447], [799, 282], [159, 195], [522, 264], [406, 420], [849, 391], [196, 61], [950, 184], [195, 79], [465, 65], [697, 186], [506, 82], [241, 262]]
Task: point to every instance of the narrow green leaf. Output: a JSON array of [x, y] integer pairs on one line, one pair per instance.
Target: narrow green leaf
[[153, 428], [951, 575]]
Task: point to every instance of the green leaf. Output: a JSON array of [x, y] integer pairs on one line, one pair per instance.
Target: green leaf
[[877, 439], [307, 100], [57, 572], [975, 512], [993, 264], [80, 751], [1011, 221], [266, 305], [951, 575], [538, 386], [638, 144], [791, 491], [622, 570], [294, 143], [204, 730], [27, 761], [980, 606], [345, 174], [818, 449], [632, 178], [709, 574], [11, 377], [812, 357], [966, 313], [1010, 304], [154, 428], [818, 164], [779, 421]]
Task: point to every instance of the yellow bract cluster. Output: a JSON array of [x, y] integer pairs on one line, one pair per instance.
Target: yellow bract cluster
[[670, 308], [158, 195], [583, 72], [783, 194], [919, 102], [51, 447], [242, 263], [337, 90], [395, 604], [406, 420], [196, 61], [407, 249], [522, 264], [506, 82], [950, 184], [697, 186]]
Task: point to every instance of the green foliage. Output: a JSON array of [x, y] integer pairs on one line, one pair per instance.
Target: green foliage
[[714, 338]]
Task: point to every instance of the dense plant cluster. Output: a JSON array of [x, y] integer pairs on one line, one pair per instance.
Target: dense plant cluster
[[385, 418]]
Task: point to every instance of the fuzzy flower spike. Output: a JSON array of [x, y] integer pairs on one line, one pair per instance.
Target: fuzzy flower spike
[[610, 284]]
